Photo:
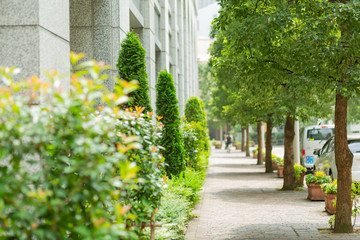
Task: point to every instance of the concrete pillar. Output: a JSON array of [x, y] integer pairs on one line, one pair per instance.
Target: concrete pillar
[[34, 36], [186, 50], [96, 30], [164, 35], [194, 56], [174, 44], [181, 55], [148, 40]]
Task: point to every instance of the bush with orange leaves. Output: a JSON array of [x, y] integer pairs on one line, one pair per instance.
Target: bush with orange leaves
[[65, 168]]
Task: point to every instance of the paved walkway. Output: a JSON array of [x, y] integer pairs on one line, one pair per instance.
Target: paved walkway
[[240, 201]]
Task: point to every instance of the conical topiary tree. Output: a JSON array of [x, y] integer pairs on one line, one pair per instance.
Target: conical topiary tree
[[195, 111], [167, 108], [131, 65]]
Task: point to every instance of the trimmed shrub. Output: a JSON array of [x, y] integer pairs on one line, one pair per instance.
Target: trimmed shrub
[[194, 147], [69, 171], [145, 196], [60, 160], [167, 108], [131, 65], [195, 111]]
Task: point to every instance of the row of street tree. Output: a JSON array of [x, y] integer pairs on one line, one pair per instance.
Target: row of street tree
[[281, 61]]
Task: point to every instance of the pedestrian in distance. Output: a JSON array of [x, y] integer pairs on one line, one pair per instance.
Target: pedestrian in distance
[[228, 142]]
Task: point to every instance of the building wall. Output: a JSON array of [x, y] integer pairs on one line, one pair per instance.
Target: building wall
[[34, 36], [37, 35], [205, 3]]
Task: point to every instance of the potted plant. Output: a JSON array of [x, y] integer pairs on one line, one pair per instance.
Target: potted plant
[[299, 174], [313, 182], [274, 160], [217, 144], [255, 153], [280, 167], [330, 190], [238, 146]]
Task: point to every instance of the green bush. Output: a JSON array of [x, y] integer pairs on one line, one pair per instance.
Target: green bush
[[68, 170], [299, 169], [194, 145], [319, 177], [181, 195], [64, 167], [192, 180], [146, 194], [330, 188], [174, 214], [131, 65], [167, 108], [195, 112]]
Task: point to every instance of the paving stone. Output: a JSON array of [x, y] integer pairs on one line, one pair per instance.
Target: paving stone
[[240, 201]]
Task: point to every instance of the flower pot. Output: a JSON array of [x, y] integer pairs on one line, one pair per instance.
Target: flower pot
[[280, 171], [300, 182], [329, 201], [238, 147], [314, 192], [274, 166], [217, 146], [255, 154]]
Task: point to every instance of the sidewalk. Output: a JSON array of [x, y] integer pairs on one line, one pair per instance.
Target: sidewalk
[[240, 201]]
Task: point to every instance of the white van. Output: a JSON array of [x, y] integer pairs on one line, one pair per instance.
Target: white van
[[311, 138]]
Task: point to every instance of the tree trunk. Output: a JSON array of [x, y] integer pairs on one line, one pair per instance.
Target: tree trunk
[[268, 144], [289, 173], [343, 159], [242, 139], [259, 138], [247, 141]]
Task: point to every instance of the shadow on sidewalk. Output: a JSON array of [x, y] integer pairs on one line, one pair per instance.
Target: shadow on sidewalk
[[291, 230], [227, 156], [241, 175], [262, 196], [235, 165]]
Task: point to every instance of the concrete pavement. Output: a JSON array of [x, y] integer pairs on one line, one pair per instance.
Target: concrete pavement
[[240, 201]]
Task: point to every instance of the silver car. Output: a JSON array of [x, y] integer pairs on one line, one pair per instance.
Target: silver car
[[326, 160]]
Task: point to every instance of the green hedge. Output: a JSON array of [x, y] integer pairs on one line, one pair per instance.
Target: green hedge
[[68, 170], [167, 108], [132, 65], [195, 112]]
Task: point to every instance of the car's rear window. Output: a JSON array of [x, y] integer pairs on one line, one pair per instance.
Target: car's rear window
[[319, 134]]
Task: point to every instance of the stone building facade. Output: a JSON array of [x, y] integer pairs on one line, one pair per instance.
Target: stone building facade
[[37, 35]]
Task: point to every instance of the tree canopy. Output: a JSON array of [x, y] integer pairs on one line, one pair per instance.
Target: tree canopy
[[296, 55]]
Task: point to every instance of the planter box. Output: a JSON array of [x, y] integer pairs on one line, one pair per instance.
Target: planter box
[[314, 192], [274, 166], [300, 182], [329, 207], [280, 171], [329, 200], [217, 146]]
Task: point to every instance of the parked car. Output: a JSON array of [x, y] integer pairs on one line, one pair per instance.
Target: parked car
[[311, 138], [326, 160]]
